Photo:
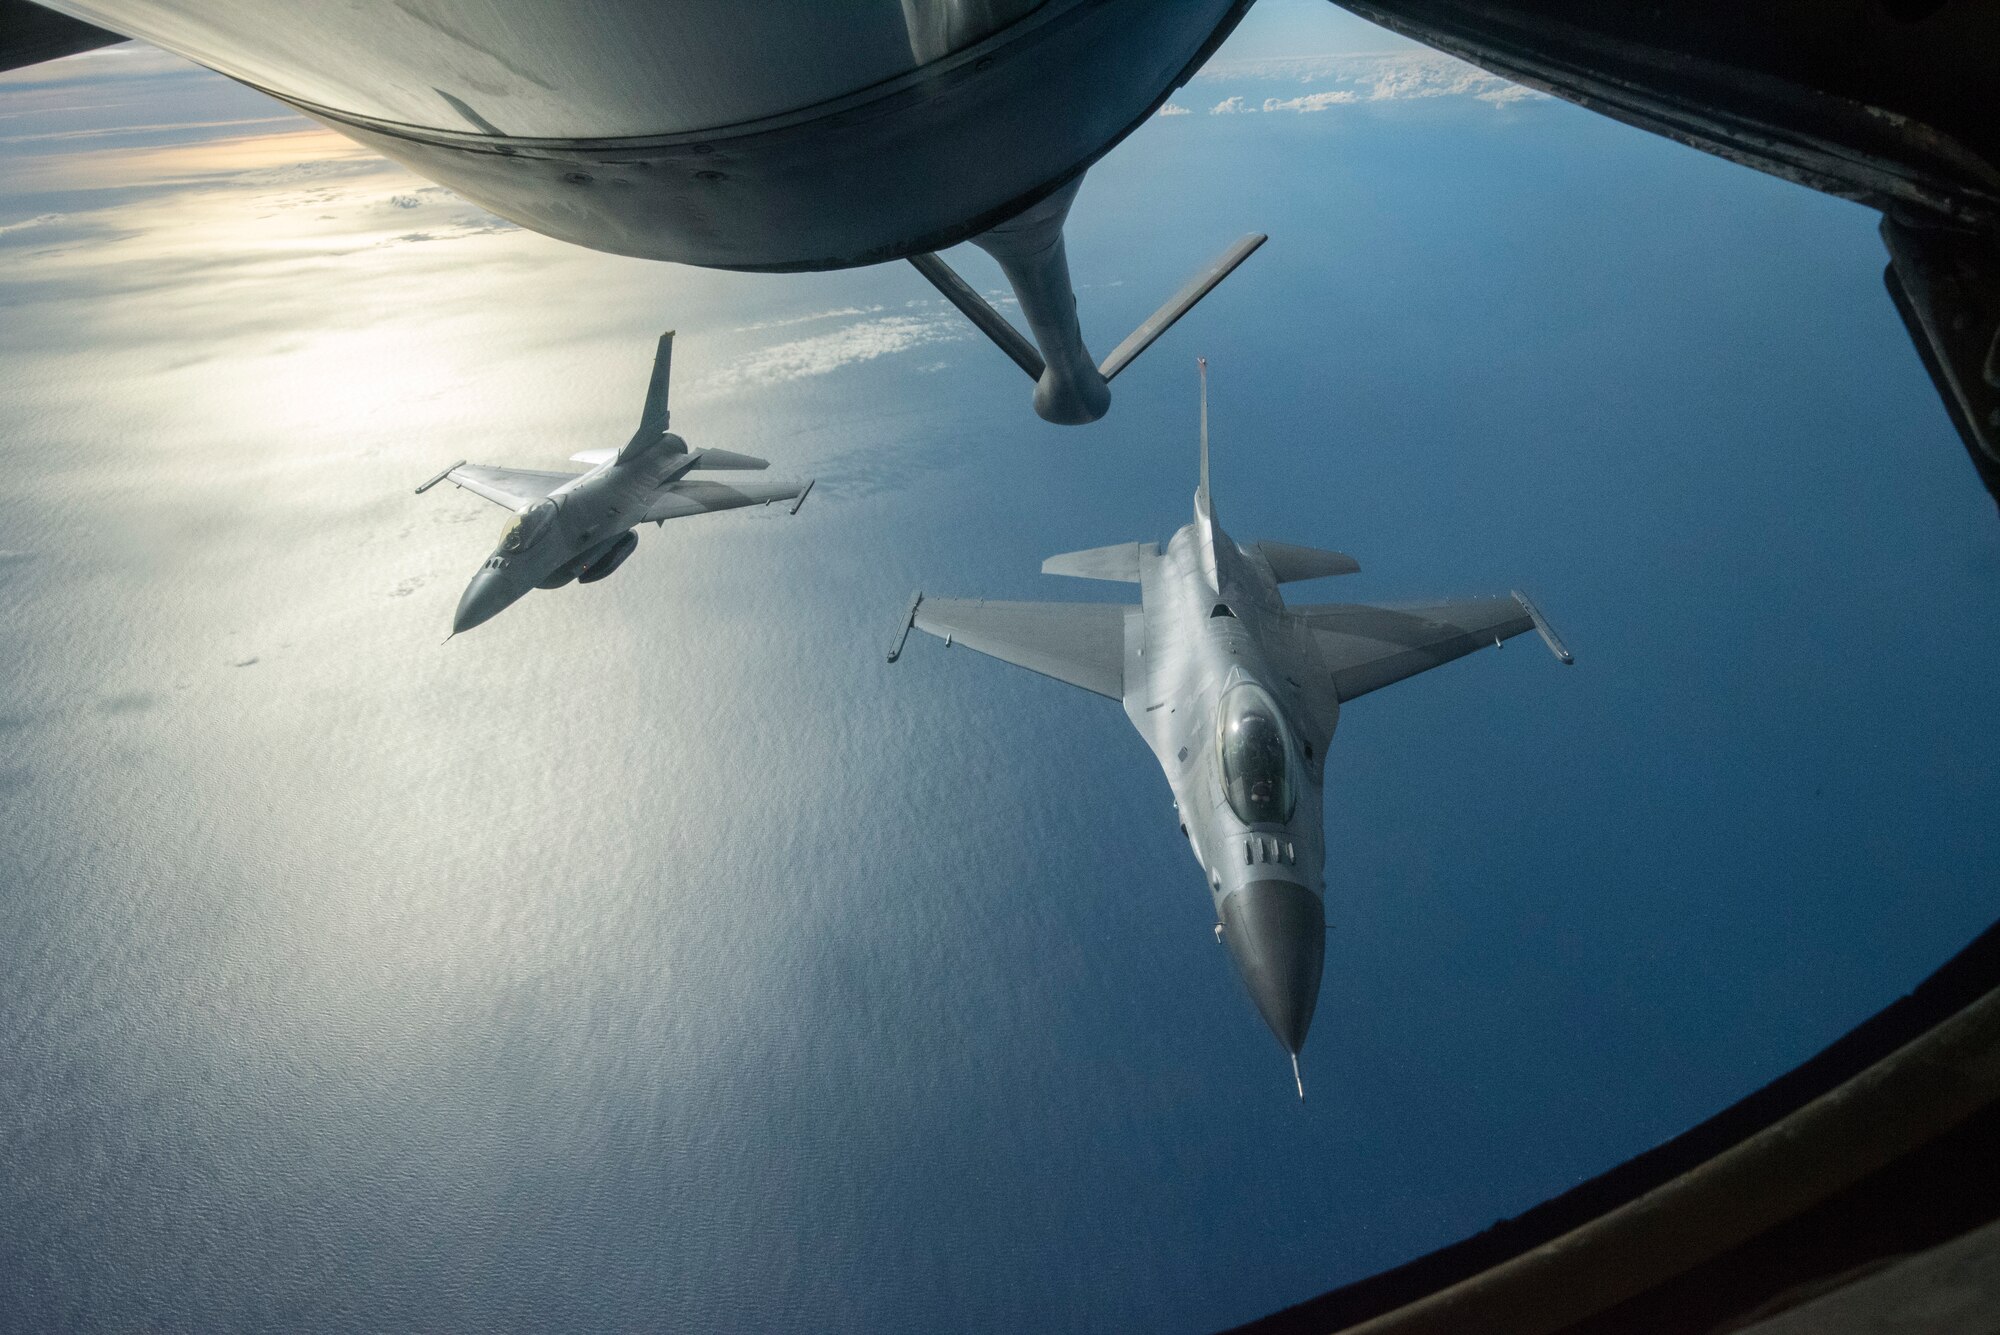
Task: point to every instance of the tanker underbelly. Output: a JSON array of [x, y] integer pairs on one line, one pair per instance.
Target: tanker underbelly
[[762, 137]]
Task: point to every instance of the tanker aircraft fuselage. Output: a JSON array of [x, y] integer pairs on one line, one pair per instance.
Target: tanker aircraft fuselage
[[778, 136]]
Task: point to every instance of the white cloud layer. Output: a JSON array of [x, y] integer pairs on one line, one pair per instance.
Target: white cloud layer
[[1313, 101], [820, 354], [39, 220], [1384, 77]]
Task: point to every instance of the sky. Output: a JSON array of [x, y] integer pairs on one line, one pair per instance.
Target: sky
[[657, 956]]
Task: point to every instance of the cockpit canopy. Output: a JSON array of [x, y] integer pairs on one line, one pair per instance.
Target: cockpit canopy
[[1256, 757], [525, 529]]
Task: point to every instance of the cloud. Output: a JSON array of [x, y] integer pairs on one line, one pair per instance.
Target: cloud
[[821, 354], [1398, 76], [39, 220], [839, 313], [1172, 109], [143, 217], [1339, 97], [151, 128], [305, 247], [331, 159], [263, 159]]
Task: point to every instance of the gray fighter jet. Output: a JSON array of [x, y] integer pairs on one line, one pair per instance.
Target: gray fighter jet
[[1238, 695], [582, 525]]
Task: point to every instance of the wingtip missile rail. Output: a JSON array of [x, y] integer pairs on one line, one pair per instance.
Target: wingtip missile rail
[[903, 631], [442, 474], [1545, 630]]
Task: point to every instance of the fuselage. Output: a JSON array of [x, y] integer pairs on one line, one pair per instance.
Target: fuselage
[[580, 530], [781, 135], [1221, 694]]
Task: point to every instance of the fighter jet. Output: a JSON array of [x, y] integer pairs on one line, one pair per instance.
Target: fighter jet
[[1237, 694], [582, 525]]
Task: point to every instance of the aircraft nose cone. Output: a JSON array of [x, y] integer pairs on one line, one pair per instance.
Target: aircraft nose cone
[[1276, 932], [486, 597]]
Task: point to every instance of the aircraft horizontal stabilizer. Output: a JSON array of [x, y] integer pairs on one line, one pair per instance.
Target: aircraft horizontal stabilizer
[[1119, 562], [727, 459], [1289, 564]]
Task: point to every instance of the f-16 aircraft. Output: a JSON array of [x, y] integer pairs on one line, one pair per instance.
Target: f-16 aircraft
[[582, 525], [1237, 695]]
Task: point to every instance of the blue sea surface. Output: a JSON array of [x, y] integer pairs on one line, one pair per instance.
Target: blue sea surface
[[658, 957]]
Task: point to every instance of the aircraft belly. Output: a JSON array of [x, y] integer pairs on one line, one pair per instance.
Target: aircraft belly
[[535, 70], [778, 136]]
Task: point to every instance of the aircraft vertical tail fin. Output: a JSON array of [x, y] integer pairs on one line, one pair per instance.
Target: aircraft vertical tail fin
[[653, 418], [1201, 364], [1204, 504]]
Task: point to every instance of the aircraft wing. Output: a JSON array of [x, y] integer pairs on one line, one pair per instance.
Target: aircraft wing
[[30, 35], [1080, 643], [702, 497], [1367, 648], [515, 488]]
